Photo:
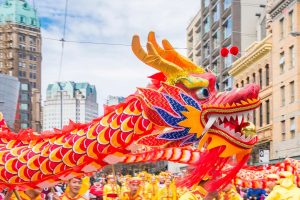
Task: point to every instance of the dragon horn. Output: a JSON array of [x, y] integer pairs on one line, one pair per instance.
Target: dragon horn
[[153, 59], [175, 57]]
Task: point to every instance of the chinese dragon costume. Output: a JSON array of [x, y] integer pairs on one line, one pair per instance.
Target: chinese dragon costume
[[179, 117]]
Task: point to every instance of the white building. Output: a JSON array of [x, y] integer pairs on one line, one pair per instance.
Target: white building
[[69, 101]]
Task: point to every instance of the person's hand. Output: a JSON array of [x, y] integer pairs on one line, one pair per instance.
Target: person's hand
[[55, 197]]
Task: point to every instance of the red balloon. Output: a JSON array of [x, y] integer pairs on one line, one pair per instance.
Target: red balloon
[[234, 50], [224, 52]]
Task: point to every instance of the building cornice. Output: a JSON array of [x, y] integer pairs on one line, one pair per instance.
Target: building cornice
[[253, 54], [279, 7]]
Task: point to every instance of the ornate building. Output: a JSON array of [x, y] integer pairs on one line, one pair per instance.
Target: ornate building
[[20, 56]]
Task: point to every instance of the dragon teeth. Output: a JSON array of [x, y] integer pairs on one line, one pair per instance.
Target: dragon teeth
[[240, 118], [210, 122]]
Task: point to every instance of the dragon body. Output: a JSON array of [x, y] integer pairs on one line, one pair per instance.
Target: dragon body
[[180, 117]]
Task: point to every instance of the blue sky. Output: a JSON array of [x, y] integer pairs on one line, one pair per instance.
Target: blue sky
[[113, 69]]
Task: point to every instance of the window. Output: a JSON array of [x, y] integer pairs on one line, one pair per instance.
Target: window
[[227, 28], [242, 84], [206, 25], [227, 82], [292, 91], [237, 85], [261, 115], [227, 4], [283, 129], [33, 21], [24, 117], [216, 12], [206, 50], [268, 111], [254, 117], [24, 125], [281, 62], [292, 57], [281, 28], [23, 106], [292, 127], [291, 20], [22, 19], [267, 75], [248, 80], [24, 87], [22, 37], [260, 78], [282, 93], [216, 40], [228, 61], [253, 78], [32, 40], [206, 3], [24, 97], [215, 68]]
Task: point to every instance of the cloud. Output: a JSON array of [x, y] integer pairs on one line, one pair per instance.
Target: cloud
[[113, 69]]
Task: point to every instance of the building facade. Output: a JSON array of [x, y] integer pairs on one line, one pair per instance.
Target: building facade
[[9, 94], [114, 100], [255, 66], [222, 23], [285, 16], [69, 101], [20, 56]]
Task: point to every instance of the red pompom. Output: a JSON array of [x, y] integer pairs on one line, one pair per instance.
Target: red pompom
[[224, 52], [234, 50]]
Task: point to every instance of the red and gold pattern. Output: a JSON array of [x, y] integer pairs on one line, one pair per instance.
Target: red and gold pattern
[[182, 107]]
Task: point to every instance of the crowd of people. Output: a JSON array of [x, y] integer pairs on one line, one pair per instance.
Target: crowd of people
[[145, 186]]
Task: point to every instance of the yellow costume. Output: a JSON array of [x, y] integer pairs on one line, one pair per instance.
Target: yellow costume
[[111, 191], [196, 194], [24, 196], [286, 190], [230, 195], [167, 193], [128, 196], [67, 197], [151, 191]]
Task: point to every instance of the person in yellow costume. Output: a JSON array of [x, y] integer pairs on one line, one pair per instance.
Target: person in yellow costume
[[134, 192], [152, 189], [168, 192], [196, 193], [229, 193], [32, 194], [286, 189], [125, 184], [144, 183], [111, 190]]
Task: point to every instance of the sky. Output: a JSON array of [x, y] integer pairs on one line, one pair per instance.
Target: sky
[[113, 69]]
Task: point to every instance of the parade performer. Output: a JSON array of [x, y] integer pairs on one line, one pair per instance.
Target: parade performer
[[152, 189], [144, 183], [286, 188], [74, 190], [134, 192], [111, 190], [168, 192], [182, 108]]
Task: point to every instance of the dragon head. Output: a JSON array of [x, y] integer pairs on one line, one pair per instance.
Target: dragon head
[[218, 119]]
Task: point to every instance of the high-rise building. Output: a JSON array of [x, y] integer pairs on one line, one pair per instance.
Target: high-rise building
[[285, 16], [69, 101], [9, 93], [218, 24], [20, 56], [114, 100]]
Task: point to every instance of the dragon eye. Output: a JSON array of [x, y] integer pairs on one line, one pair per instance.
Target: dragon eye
[[202, 93]]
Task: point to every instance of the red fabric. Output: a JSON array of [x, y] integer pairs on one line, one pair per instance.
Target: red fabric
[[96, 190]]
